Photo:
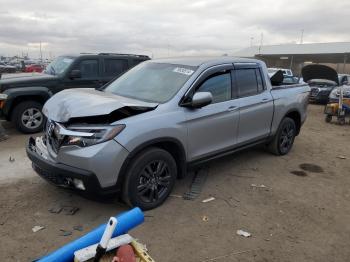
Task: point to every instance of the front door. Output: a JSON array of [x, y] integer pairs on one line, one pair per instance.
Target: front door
[[213, 128], [90, 75]]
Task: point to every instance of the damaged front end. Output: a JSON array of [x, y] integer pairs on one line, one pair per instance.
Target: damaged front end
[[85, 117], [79, 138]]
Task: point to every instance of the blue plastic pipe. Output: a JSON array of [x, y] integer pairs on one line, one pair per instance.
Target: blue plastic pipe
[[126, 221]]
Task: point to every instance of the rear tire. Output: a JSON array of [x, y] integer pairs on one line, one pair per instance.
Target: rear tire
[[28, 118], [150, 178], [283, 141]]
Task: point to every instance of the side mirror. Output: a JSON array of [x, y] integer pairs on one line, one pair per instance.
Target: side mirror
[[201, 99], [76, 73]]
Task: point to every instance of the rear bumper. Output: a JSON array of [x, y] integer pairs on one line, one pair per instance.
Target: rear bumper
[[63, 175]]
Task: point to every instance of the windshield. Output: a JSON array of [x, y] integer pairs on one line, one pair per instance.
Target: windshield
[[59, 65], [152, 82]]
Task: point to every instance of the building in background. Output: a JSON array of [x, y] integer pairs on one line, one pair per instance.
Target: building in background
[[295, 56]]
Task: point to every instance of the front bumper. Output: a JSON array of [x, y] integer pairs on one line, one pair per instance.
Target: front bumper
[[319, 98], [63, 175]]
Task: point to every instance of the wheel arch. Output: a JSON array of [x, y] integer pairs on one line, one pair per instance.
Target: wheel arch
[[18, 95], [296, 116], [171, 145]]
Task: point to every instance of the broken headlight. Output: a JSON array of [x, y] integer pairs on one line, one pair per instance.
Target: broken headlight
[[90, 135]]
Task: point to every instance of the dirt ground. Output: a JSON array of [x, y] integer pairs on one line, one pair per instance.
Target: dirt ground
[[303, 216]]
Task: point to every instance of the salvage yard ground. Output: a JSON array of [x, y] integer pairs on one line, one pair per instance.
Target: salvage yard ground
[[301, 213]]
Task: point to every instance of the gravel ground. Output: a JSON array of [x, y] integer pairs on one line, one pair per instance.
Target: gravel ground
[[301, 213]]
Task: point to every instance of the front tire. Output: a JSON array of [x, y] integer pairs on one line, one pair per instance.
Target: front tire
[[283, 141], [150, 179], [28, 118]]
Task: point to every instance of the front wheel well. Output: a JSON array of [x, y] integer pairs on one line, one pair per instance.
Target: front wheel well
[[21, 99], [172, 146], [295, 115]]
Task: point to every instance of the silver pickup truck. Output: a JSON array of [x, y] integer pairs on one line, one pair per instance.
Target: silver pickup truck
[[143, 130]]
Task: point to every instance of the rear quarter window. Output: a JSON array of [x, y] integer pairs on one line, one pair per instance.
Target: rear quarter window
[[115, 67]]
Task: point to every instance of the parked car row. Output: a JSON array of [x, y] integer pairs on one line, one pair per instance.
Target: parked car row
[[326, 89], [6, 68], [323, 89]]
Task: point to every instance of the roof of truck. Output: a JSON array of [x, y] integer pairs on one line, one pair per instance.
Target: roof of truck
[[200, 60]]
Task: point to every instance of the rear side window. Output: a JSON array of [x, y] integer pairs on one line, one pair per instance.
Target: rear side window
[[89, 68], [115, 67], [219, 86], [248, 83]]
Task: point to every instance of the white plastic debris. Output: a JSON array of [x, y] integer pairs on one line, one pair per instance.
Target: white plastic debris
[[258, 186], [37, 228], [243, 233], [208, 199], [341, 157]]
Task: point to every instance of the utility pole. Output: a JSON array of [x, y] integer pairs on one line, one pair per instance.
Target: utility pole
[[261, 42], [251, 41], [41, 54], [302, 36]]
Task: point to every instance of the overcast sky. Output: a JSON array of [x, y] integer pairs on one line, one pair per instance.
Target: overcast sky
[[162, 27]]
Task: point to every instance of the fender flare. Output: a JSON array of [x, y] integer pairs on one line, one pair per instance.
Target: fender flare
[[153, 142], [26, 92]]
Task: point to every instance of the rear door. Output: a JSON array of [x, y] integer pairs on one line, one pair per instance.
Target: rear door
[[213, 128], [255, 104], [113, 67]]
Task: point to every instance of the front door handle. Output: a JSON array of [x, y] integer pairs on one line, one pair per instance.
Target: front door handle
[[232, 108], [265, 100]]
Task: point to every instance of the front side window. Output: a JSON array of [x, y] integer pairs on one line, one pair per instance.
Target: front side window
[[89, 68], [246, 82], [115, 67], [219, 86], [151, 81]]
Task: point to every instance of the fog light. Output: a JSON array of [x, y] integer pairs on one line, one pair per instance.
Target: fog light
[[78, 184]]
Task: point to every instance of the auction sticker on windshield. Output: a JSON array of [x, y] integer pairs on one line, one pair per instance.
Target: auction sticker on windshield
[[184, 71]]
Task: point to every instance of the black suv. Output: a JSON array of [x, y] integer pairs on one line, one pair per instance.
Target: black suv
[[23, 95]]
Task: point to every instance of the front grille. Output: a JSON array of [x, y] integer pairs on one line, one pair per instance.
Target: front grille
[[314, 91], [55, 140]]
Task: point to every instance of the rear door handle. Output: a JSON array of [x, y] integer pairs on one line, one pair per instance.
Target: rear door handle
[[265, 100], [232, 108]]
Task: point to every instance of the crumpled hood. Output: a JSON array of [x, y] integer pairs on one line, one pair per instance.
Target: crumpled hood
[[317, 72], [87, 102]]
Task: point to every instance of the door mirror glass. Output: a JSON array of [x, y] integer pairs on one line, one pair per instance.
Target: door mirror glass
[[76, 73], [201, 99]]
